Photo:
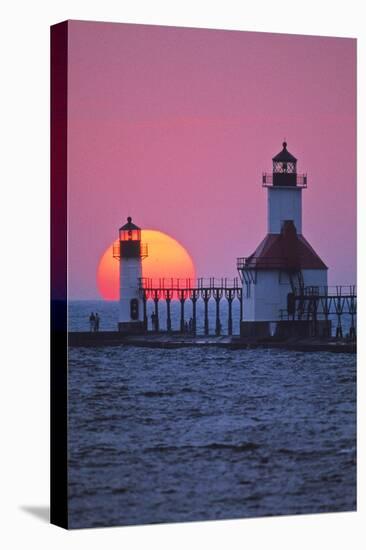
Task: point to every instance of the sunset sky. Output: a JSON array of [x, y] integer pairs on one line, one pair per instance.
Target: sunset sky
[[174, 127]]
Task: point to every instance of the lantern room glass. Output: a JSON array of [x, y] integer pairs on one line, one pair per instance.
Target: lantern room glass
[[284, 167], [130, 235]]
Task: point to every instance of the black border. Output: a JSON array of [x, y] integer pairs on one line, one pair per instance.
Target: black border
[[59, 489]]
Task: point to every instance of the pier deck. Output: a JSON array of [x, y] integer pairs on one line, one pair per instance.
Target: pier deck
[[172, 341]]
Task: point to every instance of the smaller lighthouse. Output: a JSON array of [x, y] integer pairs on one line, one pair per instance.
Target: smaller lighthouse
[[130, 253]]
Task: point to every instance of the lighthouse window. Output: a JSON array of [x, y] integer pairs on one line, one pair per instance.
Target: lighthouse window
[[284, 167], [130, 235]]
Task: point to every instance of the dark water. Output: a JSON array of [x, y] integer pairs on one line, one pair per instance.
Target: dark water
[[194, 434]]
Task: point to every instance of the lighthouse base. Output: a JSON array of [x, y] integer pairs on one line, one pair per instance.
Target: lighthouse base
[[283, 330], [133, 327]]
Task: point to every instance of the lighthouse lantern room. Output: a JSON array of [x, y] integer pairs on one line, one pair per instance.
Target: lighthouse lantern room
[[130, 252], [284, 265]]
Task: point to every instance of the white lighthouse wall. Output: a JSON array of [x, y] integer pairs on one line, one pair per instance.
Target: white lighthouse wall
[[130, 273], [269, 294], [284, 203], [248, 302], [315, 277]]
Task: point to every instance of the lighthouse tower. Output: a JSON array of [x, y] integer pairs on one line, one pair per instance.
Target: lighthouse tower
[[284, 265], [130, 253]]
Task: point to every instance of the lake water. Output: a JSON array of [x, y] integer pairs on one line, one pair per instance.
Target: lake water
[[195, 434]]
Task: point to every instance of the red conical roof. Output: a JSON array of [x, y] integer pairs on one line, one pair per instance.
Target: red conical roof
[[288, 250]]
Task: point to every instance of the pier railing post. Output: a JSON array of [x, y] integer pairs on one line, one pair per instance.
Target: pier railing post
[[182, 315], [218, 327], [230, 296], [182, 299], [352, 330], [339, 305], [168, 316], [352, 311], [194, 297], [314, 317], [217, 292], [339, 331], [156, 302], [168, 297], [239, 293], [144, 305], [206, 293], [206, 318]]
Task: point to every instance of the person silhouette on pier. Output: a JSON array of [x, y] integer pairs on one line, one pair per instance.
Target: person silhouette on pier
[[92, 322], [96, 323]]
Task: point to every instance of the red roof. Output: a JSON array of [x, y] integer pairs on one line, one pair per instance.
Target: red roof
[[288, 250]]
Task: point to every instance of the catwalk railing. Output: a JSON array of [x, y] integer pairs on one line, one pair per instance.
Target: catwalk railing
[[205, 289], [144, 250], [257, 262], [301, 180], [314, 303]]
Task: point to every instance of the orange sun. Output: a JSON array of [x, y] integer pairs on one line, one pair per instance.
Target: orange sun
[[167, 258]]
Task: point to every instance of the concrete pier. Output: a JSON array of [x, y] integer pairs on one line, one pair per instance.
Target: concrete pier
[[172, 341]]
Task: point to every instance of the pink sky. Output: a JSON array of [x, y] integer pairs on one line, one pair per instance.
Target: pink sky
[[175, 126]]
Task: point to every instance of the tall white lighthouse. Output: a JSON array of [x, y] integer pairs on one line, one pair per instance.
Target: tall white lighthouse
[[284, 265], [130, 252]]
